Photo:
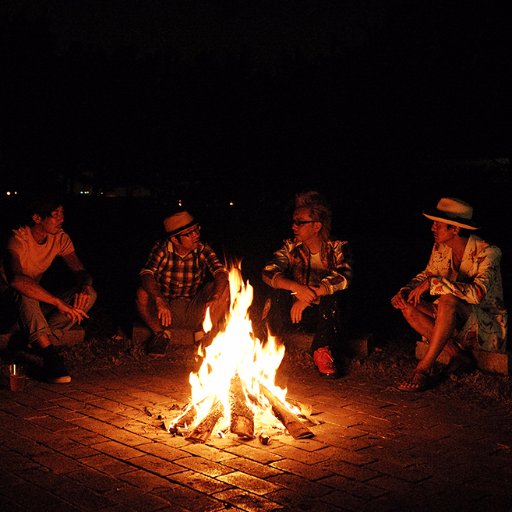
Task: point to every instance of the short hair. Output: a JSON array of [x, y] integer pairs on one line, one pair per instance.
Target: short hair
[[43, 204], [319, 209]]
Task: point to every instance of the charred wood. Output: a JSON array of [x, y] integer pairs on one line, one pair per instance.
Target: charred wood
[[204, 428], [286, 417], [242, 417]]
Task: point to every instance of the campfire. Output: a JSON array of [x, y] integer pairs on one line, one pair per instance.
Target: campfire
[[234, 390]]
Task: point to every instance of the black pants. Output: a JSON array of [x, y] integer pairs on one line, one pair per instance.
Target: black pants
[[327, 320]]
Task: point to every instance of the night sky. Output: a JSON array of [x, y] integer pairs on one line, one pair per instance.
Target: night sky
[[151, 92]]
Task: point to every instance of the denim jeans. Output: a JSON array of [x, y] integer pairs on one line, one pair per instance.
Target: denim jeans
[[39, 318]]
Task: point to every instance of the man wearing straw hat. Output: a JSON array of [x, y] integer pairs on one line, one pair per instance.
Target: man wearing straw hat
[[456, 303], [181, 278]]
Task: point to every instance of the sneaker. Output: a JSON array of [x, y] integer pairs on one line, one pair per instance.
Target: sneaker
[[325, 362], [53, 366], [157, 345]]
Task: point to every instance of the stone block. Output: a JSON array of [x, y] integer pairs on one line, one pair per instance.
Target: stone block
[[140, 334], [358, 346], [69, 338], [492, 362]]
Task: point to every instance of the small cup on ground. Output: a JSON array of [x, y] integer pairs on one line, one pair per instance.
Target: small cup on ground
[[17, 377]]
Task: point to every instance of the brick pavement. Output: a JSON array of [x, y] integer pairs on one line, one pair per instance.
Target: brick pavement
[[98, 444]]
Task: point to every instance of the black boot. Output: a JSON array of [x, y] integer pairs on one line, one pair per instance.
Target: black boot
[[53, 366]]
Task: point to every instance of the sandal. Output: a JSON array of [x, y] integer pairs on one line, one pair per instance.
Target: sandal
[[417, 381]]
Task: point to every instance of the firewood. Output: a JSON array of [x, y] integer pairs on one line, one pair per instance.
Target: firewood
[[286, 417], [204, 428], [242, 418]]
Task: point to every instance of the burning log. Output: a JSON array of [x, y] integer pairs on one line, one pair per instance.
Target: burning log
[[202, 431], [286, 417], [187, 417], [242, 418]]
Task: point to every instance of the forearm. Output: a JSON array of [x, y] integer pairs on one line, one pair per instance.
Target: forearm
[[30, 288], [151, 286], [221, 282]]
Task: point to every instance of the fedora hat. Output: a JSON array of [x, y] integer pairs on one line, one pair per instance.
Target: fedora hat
[[453, 211], [178, 222]]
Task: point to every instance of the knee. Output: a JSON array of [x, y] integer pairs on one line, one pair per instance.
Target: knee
[[93, 295], [448, 301], [408, 311], [141, 297]]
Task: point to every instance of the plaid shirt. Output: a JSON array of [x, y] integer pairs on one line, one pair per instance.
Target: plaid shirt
[[292, 261], [180, 276]]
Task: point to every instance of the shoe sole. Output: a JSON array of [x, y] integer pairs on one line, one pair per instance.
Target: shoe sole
[[60, 380]]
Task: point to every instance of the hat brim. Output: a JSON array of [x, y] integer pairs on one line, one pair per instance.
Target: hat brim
[[176, 232], [455, 221]]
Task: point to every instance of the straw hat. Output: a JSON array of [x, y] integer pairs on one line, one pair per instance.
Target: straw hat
[[453, 211], [178, 222]]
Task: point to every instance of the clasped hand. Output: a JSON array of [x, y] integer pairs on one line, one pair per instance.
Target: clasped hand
[[305, 297]]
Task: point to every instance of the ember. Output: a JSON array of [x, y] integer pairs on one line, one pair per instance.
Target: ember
[[234, 389]]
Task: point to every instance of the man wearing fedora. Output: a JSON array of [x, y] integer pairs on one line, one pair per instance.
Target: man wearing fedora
[[181, 278], [456, 302]]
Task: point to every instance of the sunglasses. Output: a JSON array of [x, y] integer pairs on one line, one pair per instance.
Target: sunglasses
[[302, 222]]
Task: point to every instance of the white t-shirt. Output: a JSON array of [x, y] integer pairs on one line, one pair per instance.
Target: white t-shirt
[[35, 258]]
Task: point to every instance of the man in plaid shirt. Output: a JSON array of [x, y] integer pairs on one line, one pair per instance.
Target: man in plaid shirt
[[181, 278]]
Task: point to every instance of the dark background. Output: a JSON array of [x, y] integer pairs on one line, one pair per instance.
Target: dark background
[[384, 108], [158, 92]]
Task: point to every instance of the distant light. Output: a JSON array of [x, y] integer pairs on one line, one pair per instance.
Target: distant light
[[11, 193], [180, 202], [231, 203]]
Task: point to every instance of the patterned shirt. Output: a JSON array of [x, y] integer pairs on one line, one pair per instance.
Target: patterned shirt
[[181, 276], [293, 260], [477, 282]]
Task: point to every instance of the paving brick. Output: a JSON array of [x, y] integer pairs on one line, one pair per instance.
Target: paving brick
[[256, 454], [57, 462], [7, 504], [156, 465], [252, 468], [145, 481], [200, 482], [300, 484], [163, 451], [69, 338], [248, 501], [309, 471], [106, 464], [182, 497], [206, 467], [376, 449], [31, 497], [248, 482], [292, 500], [118, 450], [131, 498], [93, 479], [494, 362]]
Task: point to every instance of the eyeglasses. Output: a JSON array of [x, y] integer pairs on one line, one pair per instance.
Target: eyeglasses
[[197, 230], [302, 222]]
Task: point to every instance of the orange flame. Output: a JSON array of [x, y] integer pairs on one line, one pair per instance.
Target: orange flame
[[237, 352]]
